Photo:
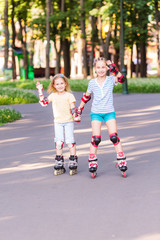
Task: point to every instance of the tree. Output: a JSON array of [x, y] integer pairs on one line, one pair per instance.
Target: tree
[[157, 18], [83, 39], [48, 7], [13, 40], [6, 35]]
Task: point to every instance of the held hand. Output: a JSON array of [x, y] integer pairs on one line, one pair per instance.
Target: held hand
[[79, 111], [77, 118]]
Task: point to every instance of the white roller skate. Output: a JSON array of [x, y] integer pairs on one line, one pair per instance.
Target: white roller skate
[[59, 165], [73, 164], [93, 165], [122, 164]]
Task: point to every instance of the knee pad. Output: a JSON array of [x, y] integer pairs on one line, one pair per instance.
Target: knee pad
[[70, 145], [114, 138], [96, 140], [59, 145]]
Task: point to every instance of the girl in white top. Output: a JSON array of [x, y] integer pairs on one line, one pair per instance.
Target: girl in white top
[[64, 111], [102, 109]]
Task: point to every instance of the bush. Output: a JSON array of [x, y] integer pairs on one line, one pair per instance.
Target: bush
[[29, 84], [8, 115], [15, 96], [135, 85]]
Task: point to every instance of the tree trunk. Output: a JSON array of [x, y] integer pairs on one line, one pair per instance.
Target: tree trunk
[[137, 64], [104, 44], [24, 48], [157, 36], [31, 54], [66, 57], [94, 40], [131, 63], [93, 45], [13, 41], [116, 57], [83, 37], [58, 56], [143, 69], [6, 47], [48, 7], [65, 45]]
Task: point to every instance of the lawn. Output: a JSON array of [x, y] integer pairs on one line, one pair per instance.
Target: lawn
[[135, 85]]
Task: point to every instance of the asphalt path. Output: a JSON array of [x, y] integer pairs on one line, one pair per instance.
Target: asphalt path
[[36, 205]]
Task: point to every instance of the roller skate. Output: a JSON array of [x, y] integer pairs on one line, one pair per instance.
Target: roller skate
[[122, 164], [73, 163], [93, 165], [59, 165]]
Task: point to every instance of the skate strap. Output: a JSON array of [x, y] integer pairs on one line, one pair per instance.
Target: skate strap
[[120, 163], [93, 164]]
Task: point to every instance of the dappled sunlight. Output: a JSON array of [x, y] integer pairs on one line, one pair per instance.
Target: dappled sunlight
[[25, 167], [128, 125], [144, 151], [84, 130], [39, 152], [126, 143], [135, 114], [154, 108], [13, 139], [131, 143], [138, 124], [105, 147], [44, 125], [6, 218], [155, 236]]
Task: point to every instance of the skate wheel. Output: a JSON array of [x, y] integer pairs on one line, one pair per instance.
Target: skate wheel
[[73, 172], [93, 175], [124, 174], [59, 172]]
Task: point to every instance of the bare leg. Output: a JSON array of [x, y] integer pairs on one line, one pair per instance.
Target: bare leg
[[112, 128], [72, 150], [96, 131], [59, 151]]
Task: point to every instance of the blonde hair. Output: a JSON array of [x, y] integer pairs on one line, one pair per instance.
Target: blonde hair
[[98, 59], [51, 87]]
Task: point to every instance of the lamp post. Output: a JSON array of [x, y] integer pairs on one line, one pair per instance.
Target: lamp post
[[123, 70]]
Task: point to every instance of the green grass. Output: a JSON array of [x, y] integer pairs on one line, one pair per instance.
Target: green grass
[[141, 85], [8, 115], [135, 85], [10, 96]]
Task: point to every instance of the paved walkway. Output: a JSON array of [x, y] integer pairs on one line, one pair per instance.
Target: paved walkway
[[36, 205]]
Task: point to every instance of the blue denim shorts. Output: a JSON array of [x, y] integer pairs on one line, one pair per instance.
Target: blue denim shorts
[[64, 132], [103, 116]]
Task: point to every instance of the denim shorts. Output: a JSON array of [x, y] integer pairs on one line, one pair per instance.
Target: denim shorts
[[64, 132], [103, 116]]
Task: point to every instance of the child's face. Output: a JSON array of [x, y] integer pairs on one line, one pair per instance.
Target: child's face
[[101, 68], [59, 85]]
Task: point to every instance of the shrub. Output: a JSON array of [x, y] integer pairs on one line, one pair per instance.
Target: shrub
[[135, 85], [9, 115], [15, 96]]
